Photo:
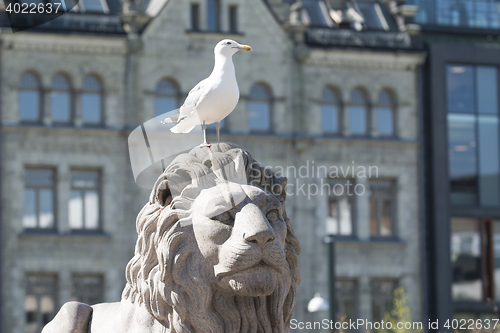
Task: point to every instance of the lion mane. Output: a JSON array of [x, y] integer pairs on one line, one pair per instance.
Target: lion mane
[[168, 275]]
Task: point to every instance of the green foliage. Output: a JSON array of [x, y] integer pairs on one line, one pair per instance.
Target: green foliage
[[400, 314]]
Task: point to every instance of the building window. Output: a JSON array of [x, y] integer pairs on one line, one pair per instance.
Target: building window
[[475, 257], [92, 101], [40, 301], [329, 111], [381, 208], [346, 298], [84, 203], [473, 139], [167, 97], [384, 114], [213, 15], [259, 108], [374, 18], [340, 208], [357, 113], [29, 98], [195, 16], [39, 199], [382, 296], [94, 6], [60, 99], [88, 289], [233, 19], [483, 14]]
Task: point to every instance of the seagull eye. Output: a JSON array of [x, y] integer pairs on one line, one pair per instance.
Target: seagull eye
[[228, 43]]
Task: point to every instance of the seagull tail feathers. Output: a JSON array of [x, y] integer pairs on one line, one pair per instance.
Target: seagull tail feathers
[[182, 127], [170, 120]]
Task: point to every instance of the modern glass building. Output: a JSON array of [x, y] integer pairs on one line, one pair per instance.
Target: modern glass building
[[461, 133]]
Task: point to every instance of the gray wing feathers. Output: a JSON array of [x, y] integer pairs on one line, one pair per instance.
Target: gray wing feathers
[[171, 120], [192, 100]]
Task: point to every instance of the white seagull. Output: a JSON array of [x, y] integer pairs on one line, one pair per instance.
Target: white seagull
[[214, 98]]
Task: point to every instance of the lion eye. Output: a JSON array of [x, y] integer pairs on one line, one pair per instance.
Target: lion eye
[[224, 218], [272, 216]]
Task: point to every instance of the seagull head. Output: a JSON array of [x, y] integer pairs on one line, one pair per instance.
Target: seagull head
[[228, 47]]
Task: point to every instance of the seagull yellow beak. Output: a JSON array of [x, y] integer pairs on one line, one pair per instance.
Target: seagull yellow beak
[[243, 48]]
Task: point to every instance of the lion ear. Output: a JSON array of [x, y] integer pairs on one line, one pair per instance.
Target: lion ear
[[163, 196], [279, 187]]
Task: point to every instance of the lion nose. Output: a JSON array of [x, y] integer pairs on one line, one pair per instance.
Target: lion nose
[[260, 238], [254, 225]]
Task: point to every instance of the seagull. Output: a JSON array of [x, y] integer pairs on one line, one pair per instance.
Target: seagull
[[214, 98]]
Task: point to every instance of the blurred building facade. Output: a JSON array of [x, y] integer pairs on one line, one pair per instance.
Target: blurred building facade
[[329, 95], [462, 157]]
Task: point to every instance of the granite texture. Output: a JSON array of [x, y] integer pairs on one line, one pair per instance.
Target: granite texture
[[216, 252]]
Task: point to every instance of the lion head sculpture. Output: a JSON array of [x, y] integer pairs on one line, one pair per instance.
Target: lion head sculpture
[[216, 251]]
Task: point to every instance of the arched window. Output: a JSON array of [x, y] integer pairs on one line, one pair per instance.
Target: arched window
[[92, 101], [60, 99], [259, 108], [384, 113], [167, 97], [357, 113], [329, 111], [29, 98]]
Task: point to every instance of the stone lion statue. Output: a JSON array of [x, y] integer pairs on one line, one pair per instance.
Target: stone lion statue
[[215, 253]]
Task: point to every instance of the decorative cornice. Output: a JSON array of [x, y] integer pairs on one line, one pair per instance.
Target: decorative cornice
[[344, 37], [365, 60], [66, 46]]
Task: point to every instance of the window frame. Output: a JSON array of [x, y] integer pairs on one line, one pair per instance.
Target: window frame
[[366, 105], [194, 16], [232, 22], [101, 95], [31, 290], [391, 106], [270, 103], [476, 115], [53, 187], [340, 293], [390, 299], [352, 201], [485, 227], [40, 98], [75, 288], [104, 5], [70, 93], [380, 198], [176, 96], [337, 104], [82, 191], [432, 17]]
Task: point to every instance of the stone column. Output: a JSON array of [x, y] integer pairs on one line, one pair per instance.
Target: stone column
[[46, 108], [113, 285], [363, 209], [65, 284], [365, 299], [78, 109], [63, 187]]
